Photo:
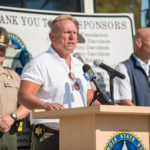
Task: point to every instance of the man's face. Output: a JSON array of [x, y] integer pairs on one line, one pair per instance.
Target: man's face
[[146, 48], [65, 39], [142, 44], [2, 54]]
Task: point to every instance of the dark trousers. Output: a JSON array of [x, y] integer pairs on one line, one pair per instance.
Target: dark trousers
[[8, 141], [48, 141]]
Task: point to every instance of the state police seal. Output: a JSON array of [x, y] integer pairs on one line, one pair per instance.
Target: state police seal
[[17, 54], [124, 140]]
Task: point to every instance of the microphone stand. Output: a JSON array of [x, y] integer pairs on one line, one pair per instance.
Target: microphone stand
[[94, 98], [100, 96], [111, 77]]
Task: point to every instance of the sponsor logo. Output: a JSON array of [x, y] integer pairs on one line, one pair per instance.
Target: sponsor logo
[[89, 74]]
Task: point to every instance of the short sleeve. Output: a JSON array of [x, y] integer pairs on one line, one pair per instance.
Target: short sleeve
[[122, 87], [33, 72]]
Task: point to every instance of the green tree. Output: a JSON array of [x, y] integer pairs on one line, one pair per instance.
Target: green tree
[[120, 6]]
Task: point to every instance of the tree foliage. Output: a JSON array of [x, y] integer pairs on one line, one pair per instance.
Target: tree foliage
[[120, 6]]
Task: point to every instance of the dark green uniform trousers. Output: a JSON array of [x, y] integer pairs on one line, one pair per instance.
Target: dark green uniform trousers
[[8, 141], [48, 141]]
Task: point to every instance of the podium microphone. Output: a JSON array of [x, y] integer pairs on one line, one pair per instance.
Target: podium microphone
[[89, 74], [110, 70]]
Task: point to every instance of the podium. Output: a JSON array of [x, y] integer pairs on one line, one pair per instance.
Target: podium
[[102, 127]]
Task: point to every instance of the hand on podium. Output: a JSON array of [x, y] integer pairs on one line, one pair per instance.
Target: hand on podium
[[52, 106]]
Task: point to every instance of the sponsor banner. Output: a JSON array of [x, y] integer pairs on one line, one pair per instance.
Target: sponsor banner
[[107, 37]]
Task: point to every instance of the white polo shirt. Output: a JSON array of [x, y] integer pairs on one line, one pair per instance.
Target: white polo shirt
[[51, 72]]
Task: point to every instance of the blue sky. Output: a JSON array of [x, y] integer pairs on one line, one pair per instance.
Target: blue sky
[[144, 5]]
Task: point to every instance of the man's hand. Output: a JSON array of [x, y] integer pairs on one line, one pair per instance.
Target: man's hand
[[53, 106], [5, 123], [127, 102]]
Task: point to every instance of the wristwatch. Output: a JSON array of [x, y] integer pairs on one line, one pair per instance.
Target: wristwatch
[[14, 116]]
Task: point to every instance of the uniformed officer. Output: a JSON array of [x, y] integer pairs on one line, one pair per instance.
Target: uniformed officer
[[9, 113]]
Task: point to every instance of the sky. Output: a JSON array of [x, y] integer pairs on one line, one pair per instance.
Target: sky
[[144, 5]]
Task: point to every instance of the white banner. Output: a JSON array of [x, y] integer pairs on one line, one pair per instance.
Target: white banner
[[107, 37]]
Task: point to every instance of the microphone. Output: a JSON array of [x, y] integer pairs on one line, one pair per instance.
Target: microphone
[[90, 75], [110, 70]]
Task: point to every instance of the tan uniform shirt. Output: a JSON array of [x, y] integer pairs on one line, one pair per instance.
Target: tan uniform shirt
[[9, 85]]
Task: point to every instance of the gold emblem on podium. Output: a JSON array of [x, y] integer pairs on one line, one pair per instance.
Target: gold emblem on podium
[[124, 140]]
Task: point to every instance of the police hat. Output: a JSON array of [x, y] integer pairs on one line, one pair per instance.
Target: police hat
[[4, 38]]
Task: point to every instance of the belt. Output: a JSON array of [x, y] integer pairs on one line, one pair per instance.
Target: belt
[[10, 132], [49, 130], [40, 129]]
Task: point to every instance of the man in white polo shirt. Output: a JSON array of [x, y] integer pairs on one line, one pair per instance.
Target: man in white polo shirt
[[54, 80]]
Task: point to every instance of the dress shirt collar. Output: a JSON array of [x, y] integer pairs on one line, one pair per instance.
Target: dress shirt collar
[[142, 64]]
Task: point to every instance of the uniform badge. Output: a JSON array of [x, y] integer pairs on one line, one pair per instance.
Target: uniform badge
[[39, 130]]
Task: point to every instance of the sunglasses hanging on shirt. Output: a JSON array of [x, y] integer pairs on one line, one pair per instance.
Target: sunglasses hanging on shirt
[[75, 85]]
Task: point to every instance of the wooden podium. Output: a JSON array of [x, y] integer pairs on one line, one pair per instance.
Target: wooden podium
[[92, 128]]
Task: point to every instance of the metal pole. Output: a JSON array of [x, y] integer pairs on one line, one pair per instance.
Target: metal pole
[[88, 6], [94, 6], [23, 3], [82, 5]]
